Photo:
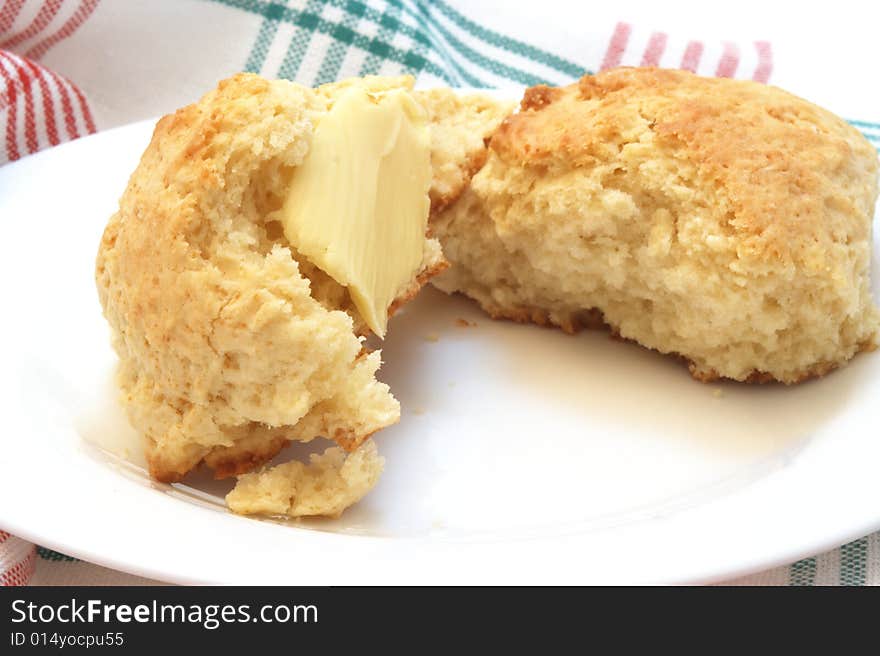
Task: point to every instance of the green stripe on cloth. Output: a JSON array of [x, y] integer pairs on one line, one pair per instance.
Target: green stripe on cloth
[[48, 554], [866, 124], [421, 40], [421, 37], [491, 65], [429, 38], [385, 19], [854, 562], [863, 127], [268, 29], [511, 45], [440, 47], [386, 33], [309, 19], [803, 572], [870, 130], [298, 47], [385, 50], [343, 36]]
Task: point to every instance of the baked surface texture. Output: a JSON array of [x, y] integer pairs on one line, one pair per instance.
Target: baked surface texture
[[230, 343], [725, 221]]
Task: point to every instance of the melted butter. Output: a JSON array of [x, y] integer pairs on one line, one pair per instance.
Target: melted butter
[[358, 206]]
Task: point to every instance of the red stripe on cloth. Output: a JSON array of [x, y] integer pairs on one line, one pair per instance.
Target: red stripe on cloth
[[39, 74], [41, 20], [617, 46], [26, 82], [84, 108], [690, 60], [12, 152], [66, 105], [21, 572], [729, 61], [10, 11], [654, 49], [4, 536], [765, 61], [79, 17]]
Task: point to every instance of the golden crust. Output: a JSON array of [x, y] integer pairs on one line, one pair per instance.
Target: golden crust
[[348, 440], [443, 198], [723, 220], [420, 281], [769, 150], [235, 460]]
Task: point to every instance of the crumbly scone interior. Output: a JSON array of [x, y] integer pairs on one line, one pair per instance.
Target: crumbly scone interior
[[461, 124], [328, 484]]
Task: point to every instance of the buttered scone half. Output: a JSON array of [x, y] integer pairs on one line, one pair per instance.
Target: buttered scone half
[[725, 221], [266, 231]]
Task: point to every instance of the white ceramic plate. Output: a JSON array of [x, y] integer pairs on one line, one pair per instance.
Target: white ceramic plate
[[523, 455]]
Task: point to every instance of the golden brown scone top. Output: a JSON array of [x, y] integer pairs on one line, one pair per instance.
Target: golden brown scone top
[[720, 220], [770, 154]]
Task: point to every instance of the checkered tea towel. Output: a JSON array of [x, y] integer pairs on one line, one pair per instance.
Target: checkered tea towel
[[71, 67]]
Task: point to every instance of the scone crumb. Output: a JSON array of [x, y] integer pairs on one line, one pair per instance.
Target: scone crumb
[[327, 485], [432, 337], [464, 323]]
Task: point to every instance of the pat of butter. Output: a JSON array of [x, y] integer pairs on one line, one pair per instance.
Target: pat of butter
[[358, 205]]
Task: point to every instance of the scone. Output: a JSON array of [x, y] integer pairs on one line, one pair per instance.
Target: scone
[[724, 221], [460, 127], [233, 338], [327, 485]]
